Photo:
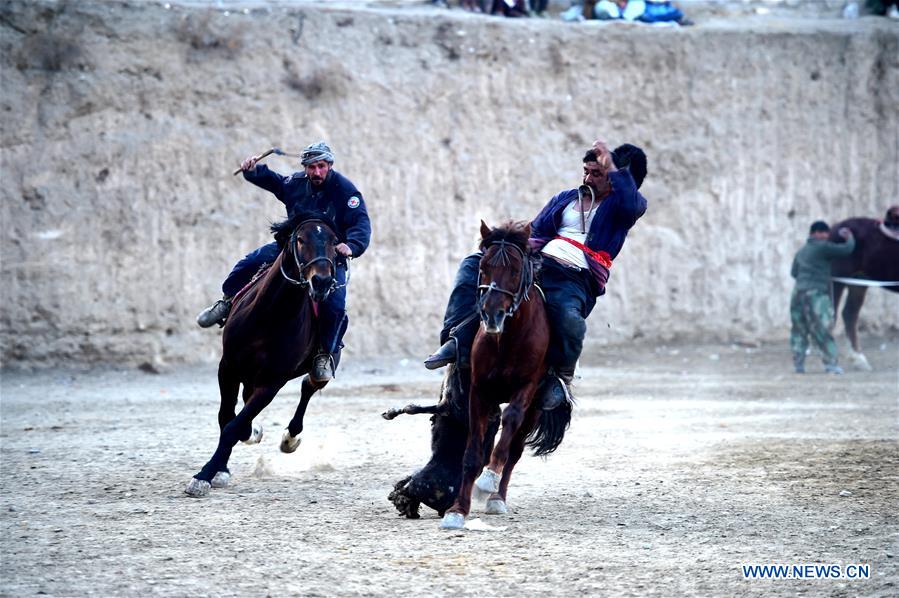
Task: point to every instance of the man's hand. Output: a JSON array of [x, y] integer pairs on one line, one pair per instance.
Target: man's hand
[[604, 155], [249, 164], [344, 250], [845, 233]]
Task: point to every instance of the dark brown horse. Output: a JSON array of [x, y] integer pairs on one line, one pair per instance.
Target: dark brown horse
[[436, 485], [508, 360], [875, 257], [270, 338]]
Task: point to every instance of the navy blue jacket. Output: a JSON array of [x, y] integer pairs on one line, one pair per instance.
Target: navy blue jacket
[[616, 214], [338, 198]]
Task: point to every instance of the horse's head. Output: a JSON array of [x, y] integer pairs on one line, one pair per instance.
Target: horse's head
[[308, 243], [506, 273]]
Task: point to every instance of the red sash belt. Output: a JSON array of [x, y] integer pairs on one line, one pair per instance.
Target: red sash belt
[[600, 256]]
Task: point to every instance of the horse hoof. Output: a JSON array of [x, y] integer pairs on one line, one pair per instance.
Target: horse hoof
[[289, 443], [198, 488], [453, 521], [859, 361], [221, 479], [488, 481], [255, 435], [496, 506]]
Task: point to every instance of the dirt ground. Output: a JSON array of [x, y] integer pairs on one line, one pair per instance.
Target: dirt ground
[[681, 464]]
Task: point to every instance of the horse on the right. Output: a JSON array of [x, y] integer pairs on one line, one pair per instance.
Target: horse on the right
[[876, 258]]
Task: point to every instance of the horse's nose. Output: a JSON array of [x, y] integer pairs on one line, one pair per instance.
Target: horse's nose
[[320, 282]]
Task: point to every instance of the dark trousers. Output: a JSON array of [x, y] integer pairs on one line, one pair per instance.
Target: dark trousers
[[332, 318], [569, 300]]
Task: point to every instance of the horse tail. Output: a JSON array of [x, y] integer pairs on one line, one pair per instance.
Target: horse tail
[[551, 427]]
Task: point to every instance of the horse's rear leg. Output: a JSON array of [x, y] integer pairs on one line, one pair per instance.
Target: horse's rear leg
[[472, 462], [855, 298], [290, 440], [496, 504], [230, 435]]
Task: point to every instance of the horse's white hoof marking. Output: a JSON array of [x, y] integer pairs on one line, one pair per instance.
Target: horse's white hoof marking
[[453, 521], [255, 435], [496, 506], [488, 481], [289, 443], [221, 479], [198, 488], [859, 361]]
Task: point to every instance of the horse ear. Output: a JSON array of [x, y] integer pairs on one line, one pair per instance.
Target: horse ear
[[485, 230]]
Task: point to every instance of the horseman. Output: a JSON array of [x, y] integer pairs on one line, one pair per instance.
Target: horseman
[[322, 189], [579, 232]]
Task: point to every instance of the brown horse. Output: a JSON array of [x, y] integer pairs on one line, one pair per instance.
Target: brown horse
[[508, 360], [270, 338], [876, 257]]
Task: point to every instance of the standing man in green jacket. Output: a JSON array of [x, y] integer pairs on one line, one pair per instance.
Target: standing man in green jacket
[[811, 308]]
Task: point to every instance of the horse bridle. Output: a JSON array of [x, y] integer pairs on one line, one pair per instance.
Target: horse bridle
[[302, 267], [524, 282]]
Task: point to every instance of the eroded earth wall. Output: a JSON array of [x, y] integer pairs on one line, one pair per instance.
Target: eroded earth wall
[[122, 122]]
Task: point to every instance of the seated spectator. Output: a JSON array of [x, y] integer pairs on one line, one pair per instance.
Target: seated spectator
[[888, 8], [510, 8], [538, 7], [663, 11], [606, 10]]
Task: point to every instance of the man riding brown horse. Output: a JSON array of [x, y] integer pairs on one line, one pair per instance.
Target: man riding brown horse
[[322, 189], [596, 216], [579, 232]]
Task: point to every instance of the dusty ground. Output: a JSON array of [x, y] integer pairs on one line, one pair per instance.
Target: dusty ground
[[681, 464]]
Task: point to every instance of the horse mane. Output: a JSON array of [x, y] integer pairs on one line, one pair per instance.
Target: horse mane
[[282, 230], [511, 232]]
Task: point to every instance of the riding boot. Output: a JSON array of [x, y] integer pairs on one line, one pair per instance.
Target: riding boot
[[215, 313], [323, 367], [445, 355], [556, 387]]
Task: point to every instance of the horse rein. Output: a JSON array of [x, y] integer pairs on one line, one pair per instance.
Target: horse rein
[[524, 283], [580, 205], [302, 267]]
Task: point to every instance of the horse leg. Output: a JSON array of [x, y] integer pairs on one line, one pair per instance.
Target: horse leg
[[229, 386], [472, 462], [230, 435], [250, 433], [512, 419], [290, 440], [496, 504], [855, 298]]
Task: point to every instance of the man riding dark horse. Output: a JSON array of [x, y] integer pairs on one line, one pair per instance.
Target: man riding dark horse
[[579, 232], [322, 189]]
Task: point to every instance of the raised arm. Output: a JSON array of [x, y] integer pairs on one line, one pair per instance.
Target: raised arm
[[838, 250], [261, 176]]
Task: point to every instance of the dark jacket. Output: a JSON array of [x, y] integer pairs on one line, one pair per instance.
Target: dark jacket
[[811, 266], [338, 198], [614, 217]]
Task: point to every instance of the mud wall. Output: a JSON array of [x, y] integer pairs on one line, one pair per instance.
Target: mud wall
[[121, 123]]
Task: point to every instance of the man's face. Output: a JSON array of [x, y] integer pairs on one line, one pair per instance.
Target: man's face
[[317, 171], [821, 235], [597, 178]]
